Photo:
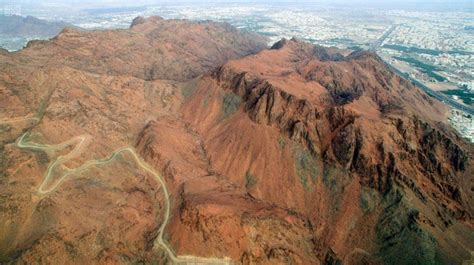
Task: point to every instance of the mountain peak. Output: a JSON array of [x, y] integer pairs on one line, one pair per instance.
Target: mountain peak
[[142, 20], [157, 53], [176, 140], [283, 42]]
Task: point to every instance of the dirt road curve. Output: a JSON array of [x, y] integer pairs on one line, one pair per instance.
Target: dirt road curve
[[51, 182]]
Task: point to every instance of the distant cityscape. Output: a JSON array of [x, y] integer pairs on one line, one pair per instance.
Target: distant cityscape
[[434, 48], [11, 10]]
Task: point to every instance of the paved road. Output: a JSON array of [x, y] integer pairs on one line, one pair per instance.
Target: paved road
[[80, 142], [378, 43], [439, 96]]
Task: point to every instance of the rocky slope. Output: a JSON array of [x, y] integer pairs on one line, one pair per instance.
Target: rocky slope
[[151, 49], [362, 154], [62, 89], [296, 154]]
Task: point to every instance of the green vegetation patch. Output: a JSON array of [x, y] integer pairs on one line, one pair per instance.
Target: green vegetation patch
[[329, 177], [44, 104], [425, 68], [335, 179], [4, 163], [401, 240], [188, 90], [368, 199], [5, 128], [423, 51], [281, 142], [230, 104], [207, 98], [465, 95], [411, 49], [41, 155], [306, 166], [250, 180]]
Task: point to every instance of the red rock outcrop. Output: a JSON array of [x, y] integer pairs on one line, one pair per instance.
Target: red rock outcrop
[[350, 127], [296, 154]]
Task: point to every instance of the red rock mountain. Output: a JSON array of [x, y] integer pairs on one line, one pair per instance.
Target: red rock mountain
[[297, 154]]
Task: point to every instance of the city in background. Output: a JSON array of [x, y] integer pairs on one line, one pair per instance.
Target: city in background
[[432, 45]]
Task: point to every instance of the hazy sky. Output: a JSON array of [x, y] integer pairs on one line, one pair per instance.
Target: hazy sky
[[465, 5], [453, 2]]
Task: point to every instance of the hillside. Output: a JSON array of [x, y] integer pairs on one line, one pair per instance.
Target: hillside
[[177, 142]]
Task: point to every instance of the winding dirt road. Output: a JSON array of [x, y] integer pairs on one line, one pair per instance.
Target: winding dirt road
[[13, 120], [81, 142]]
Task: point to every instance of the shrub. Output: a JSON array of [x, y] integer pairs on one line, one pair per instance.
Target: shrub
[[306, 165], [250, 180], [230, 104], [206, 99], [281, 142], [188, 90], [368, 199]]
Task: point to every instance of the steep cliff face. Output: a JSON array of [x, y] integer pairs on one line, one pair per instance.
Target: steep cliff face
[[295, 155], [213, 216], [352, 130], [339, 134]]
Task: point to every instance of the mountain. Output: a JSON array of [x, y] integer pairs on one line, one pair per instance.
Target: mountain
[[16, 31], [177, 141], [359, 153], [29, 26], [149, 50]]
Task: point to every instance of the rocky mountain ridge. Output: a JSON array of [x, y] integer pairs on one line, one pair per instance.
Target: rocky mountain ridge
[[297, 154]]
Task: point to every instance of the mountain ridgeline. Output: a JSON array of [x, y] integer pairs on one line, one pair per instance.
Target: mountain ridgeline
[[29, 26], [294, 154]]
